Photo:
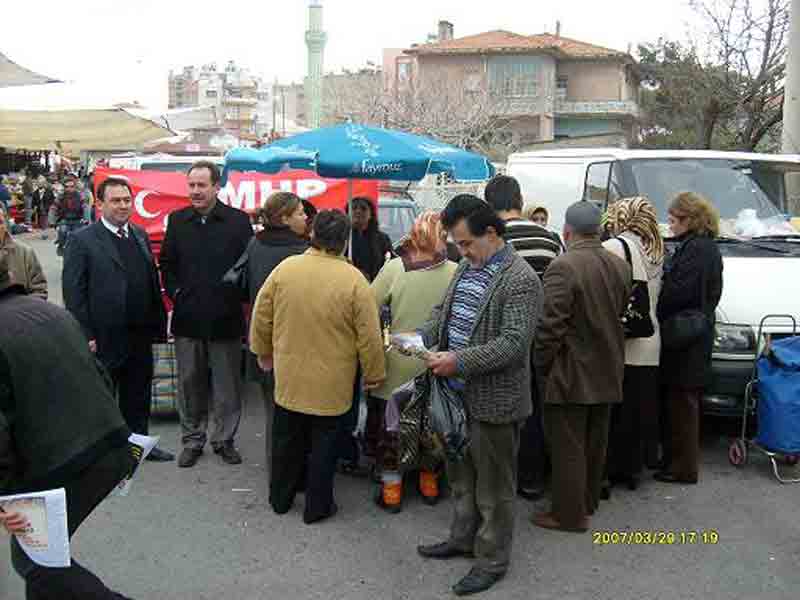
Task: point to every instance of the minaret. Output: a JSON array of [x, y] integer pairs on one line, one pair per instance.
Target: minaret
[[315, 41]]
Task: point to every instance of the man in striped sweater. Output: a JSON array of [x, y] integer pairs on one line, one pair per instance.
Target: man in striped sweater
[[483, 332], [539, 247]]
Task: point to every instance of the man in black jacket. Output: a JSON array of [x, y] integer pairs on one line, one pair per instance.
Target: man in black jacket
[[59, 428], [539, 247], [202, 243], [111, 286]]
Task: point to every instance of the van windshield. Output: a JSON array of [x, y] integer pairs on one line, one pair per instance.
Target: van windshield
[[748, 194]]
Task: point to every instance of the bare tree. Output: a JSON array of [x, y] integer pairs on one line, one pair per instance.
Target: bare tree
[[451, 108], [746, 53]]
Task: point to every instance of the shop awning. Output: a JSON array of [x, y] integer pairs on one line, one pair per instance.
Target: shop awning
[[11, 74], [71, 131]]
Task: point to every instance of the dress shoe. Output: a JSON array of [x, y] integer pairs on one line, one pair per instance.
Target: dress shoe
[[548, 521], [189, 457], [333, 511], [667, 477], [476, 581], [228, 453], [530, 492], [443, 551], [158, 455]]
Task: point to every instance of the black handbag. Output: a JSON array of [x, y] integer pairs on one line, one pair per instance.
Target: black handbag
[[685, 327], [237, 275], [636, 320]]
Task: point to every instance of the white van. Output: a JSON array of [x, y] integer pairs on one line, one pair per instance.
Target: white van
[[761, 251]]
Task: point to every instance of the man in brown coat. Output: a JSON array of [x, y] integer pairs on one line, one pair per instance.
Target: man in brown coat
[[580, 357]]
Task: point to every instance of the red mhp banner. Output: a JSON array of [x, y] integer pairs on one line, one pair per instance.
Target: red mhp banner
[[156, 193]]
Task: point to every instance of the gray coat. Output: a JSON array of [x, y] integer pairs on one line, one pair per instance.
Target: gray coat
[[496, 364]]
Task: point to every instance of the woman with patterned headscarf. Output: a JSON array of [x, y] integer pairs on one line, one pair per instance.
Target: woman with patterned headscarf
[[634, 429], [409, 286]]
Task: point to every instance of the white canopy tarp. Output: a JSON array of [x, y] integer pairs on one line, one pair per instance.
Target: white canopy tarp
[[11, 74], [71, 131]]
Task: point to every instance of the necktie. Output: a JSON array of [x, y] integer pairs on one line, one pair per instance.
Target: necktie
[[122, 233]]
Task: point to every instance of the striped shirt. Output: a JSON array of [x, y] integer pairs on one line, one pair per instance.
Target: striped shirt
[[467, 298], [538, 246]]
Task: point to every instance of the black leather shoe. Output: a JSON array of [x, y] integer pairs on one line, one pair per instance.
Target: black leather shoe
[[189, 457], [316, 519], [158, 455], [667, 477], [442, 551], [229, 454], [530, 492], [476, 581]]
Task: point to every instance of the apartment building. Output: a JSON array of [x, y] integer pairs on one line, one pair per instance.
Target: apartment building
[[242, 100], [554, 89]]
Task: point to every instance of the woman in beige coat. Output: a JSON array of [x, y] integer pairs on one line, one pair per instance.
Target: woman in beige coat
[[634, 430], [314, 320]]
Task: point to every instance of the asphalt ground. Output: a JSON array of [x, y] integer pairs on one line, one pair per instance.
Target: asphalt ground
[[208, 533]]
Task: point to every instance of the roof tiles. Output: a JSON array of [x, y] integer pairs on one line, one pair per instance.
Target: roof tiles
[[501, 41]]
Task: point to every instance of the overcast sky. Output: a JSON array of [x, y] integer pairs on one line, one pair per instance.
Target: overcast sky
[[123, 50]]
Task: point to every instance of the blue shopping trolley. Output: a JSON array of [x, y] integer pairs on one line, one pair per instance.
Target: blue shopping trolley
[[773, 397]]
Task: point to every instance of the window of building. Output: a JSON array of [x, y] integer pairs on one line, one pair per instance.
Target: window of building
[[562, 84], [514, 75], [403, 71]]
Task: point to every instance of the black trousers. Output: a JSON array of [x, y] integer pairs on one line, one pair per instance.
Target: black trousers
[[347, 448], [133, 381], [532, 455], [304, 447], [633, 429], [83, 493]]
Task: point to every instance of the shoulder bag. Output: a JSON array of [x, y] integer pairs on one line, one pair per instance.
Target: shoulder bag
[[636, 320]]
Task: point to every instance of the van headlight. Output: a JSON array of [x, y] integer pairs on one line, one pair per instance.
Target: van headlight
[[734, 339]]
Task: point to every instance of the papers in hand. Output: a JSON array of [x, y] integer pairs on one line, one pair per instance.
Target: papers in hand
[[46, 542], [141, 445], [409, 344]]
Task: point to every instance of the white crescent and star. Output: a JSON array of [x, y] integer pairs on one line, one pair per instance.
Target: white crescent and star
[[139, 204]]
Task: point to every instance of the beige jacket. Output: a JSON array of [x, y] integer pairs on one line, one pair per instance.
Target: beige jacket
[[25, 268], [317, 318]]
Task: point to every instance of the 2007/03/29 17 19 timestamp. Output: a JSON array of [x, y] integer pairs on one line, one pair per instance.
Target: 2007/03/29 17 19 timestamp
[[655, 537]]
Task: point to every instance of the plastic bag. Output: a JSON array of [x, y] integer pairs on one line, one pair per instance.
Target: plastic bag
[[400, 397], [748, 224], [448, 418]]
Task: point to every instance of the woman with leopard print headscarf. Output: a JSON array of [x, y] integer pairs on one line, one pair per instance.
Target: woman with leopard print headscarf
[[634, 430]]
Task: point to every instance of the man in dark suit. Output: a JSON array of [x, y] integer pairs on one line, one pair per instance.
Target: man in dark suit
[[580, 356], [111, 286]]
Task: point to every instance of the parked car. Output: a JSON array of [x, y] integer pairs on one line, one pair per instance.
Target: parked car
[[397, 212], [761, 251]]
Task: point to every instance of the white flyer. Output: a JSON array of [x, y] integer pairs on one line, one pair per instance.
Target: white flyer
[[141, 445], [46, 542]]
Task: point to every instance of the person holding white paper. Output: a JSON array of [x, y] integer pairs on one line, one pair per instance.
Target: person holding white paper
[[60, 427]]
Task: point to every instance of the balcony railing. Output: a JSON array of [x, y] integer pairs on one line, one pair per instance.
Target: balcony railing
[[610, 107]]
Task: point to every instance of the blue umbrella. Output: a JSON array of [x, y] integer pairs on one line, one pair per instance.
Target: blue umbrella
[[267, 160], [359, 152]]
